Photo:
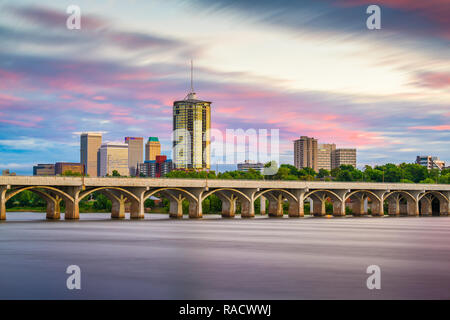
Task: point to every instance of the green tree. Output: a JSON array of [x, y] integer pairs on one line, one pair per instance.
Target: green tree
[[115, 173], [102, 202], [428, 180], [70, 173], [323, 173]]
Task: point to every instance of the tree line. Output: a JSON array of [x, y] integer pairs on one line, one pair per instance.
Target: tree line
[[403, 173]]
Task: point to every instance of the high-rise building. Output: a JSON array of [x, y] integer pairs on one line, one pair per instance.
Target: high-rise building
[[44, 169], [152, 148], [135, 152], [430, 162], [90, 143], [305, 153], [325, 155], [343, 156], [114, 156], [191, 132]]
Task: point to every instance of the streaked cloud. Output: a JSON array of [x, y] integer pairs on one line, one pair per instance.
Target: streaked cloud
[[305, 68]]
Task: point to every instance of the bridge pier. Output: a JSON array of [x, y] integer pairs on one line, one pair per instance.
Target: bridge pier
[[338, 208], [3, 190], [118, 207], [176, 208], [72, 210], [319, 207], [394, 205], [175, 203], [72, 206], [412, 207], [228, 203], [444, 205], [358, 205], [195, 210], [425, 206], [195, 204], [137, 210], [53, 208], [118, 201], [262, 205], [275, 205], [247, 207], [377, 209], [296, 208], [339, 203]]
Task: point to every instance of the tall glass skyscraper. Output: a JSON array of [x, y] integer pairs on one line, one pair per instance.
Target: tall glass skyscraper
[[191, 136]]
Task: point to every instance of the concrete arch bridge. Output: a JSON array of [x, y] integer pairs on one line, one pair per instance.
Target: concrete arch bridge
[[362, 198]]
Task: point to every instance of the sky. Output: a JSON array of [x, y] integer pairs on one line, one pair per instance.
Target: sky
[[301, 67]]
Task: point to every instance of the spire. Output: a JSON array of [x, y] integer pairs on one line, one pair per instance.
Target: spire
[[192, 76], [191, 94]]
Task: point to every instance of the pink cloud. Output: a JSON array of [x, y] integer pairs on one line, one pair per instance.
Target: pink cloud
[[25, 121], [231, 110], [435, 80], [99, 98], [9, 98], [434, 128], [9, 80]]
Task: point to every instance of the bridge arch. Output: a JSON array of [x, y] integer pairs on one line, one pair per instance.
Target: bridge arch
[[88, 192], [14, 192], [225, 189], [183, 191], [362, 191], [433, 203], [401, 202], [326, 191], [176, 196], [283, 191], [401, 192], [437, 194]]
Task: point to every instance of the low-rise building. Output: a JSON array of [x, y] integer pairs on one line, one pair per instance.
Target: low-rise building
[[247, 165], [156, 168], [430, 162], [6, 172], [44, 169], [65, 167]]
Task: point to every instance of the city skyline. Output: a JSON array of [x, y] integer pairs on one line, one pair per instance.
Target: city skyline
[[392, 107]]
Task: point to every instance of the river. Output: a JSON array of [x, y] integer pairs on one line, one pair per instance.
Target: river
[[214, 258]]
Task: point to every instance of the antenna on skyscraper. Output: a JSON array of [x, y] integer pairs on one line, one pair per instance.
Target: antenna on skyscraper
[[192, 76], [191, 94]]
